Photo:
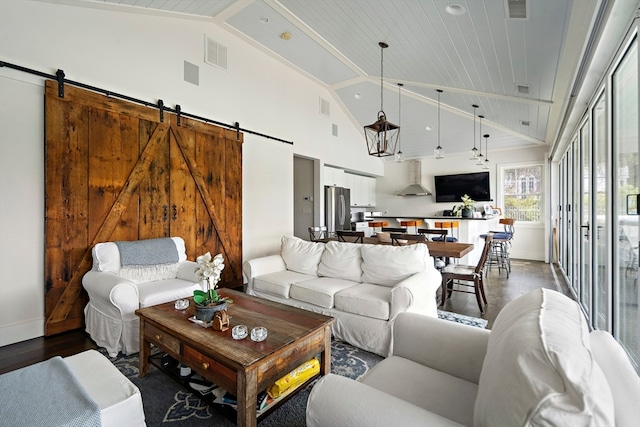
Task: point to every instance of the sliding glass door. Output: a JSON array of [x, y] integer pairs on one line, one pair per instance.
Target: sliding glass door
[[627, 181]]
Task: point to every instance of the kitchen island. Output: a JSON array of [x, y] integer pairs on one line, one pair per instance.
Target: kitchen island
[[468, 230]]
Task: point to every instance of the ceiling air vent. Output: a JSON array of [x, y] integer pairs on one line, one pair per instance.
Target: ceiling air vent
[[334, 129], [525, 122], [325, 107], [517, 9], [522, 89], [215, 53]]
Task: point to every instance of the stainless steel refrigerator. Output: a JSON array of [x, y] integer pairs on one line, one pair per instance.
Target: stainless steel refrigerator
[[337, 212]]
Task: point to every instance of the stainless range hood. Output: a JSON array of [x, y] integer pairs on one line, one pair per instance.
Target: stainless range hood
[[415, 187]]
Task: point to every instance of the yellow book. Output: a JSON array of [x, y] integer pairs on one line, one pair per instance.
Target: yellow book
[[294, 378]]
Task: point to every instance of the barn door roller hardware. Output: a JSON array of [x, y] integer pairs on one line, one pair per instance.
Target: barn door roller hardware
[[59, 77]]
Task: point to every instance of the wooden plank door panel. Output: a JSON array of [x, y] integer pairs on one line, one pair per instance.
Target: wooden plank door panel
[[114, 171]]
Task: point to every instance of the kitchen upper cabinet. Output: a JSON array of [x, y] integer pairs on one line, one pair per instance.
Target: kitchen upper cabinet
[[333, 177], [363, 190]]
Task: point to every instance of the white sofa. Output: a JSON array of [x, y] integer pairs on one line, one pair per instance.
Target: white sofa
[[538, 366], [117, 291], [364, 287]]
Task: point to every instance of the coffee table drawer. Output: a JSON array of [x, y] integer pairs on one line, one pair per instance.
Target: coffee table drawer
[[162, 339], [210, 369]]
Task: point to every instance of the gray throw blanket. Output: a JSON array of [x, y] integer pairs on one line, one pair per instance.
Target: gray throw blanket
[[148, 252], [46, 394]]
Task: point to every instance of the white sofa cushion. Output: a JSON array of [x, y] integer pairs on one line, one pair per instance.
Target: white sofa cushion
[[539, 369], [387, 265], [279, 283], [301, 256], [319, 291], [365, 299], [341, 260], [161, 291], [425, 387]]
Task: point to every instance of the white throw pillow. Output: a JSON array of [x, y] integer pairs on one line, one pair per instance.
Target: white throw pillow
[[301, 256], [387, 265], [539, 370], [341, 260]]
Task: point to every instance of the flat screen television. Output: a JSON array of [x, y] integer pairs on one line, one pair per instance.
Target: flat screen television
[[450, 188]]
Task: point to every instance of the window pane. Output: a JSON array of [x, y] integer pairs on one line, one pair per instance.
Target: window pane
[[627, 181], [601, 292], [522, 187]]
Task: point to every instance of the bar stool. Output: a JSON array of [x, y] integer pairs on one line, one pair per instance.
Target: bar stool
[[415, 223], [377, 224], [499, 254], [444, 225]]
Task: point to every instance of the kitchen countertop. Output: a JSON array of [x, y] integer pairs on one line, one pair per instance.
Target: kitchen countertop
[[450, 218]]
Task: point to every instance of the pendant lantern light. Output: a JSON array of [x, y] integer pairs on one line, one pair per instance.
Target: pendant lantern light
[[486, 151], [399, 153], [382, 136], [438, 153], [474, 150]]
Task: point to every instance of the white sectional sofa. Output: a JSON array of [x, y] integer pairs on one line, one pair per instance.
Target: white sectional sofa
[[538, 366], [364, 287]]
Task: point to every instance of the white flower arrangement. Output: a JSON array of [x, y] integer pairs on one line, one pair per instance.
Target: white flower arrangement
[[209, 269]]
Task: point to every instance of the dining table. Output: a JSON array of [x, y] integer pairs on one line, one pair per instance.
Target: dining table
[[436, 249]]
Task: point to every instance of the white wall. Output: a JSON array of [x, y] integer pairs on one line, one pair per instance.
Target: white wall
[[142, 57], [529, 242]]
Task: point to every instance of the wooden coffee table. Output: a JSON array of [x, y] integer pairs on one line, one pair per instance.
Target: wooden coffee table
[[242, 367]]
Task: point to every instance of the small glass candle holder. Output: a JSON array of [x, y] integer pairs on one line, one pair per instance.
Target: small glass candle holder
[[239, 332], [259, 333], [182, 304]]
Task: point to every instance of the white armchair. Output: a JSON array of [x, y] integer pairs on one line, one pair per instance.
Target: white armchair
[[117, 288]]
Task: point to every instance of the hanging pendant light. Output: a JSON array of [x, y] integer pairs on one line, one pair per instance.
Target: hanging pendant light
[[480, 158], [438, 153], [382, 136], [486, 151], [399, 153], [474, 150]]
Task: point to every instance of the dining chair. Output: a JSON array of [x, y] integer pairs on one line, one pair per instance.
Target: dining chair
[[443, 225], [350, 236], [467, 273], [400, 239], [318, 232], [395, 229], [435, 232]]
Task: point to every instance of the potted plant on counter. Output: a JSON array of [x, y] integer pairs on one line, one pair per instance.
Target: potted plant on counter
[[467, 208], [208, 301]]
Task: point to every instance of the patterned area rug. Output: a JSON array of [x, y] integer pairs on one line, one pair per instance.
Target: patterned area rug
[[167, 403]]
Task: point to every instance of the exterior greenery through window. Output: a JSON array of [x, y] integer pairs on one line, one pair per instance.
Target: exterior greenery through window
[[522, 192]]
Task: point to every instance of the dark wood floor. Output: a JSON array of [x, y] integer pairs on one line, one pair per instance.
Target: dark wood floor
[[525, 276]]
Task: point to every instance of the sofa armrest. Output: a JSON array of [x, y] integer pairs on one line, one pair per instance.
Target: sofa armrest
[[416, 294], [340, 401], [187, 271], [445, 346], [259, 266], [111, 288]]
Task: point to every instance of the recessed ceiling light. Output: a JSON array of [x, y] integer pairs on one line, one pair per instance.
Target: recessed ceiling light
[[264, 20], [455, 9], [429, 128], [358, 95], [285, 36]]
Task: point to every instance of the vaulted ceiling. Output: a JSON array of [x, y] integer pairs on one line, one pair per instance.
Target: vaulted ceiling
[[516, 59]]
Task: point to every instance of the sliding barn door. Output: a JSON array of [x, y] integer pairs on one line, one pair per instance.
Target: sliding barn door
[[117, 171]]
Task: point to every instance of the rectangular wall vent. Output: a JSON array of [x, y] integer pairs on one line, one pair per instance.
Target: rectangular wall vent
[[334, 129], [522, 89], [517, 9], [525, 122], [191, 73], [215, 53], [325, 107]]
